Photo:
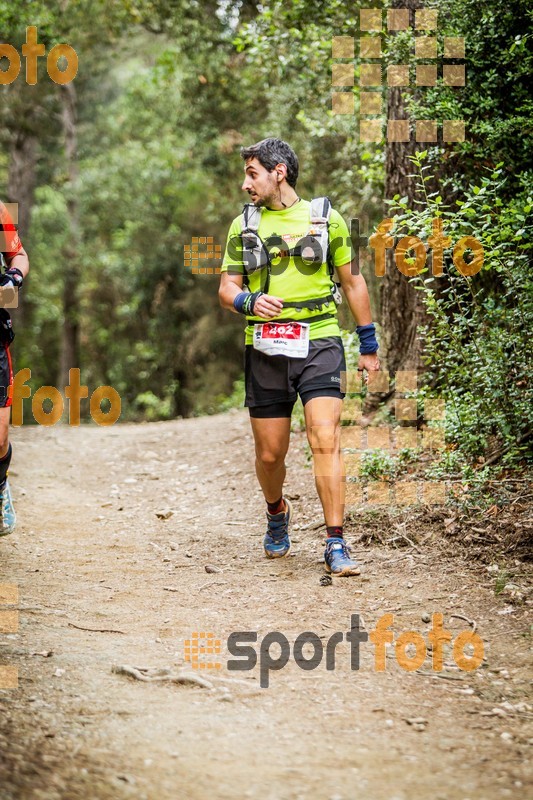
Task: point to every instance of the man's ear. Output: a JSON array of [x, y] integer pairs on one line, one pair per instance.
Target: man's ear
[[281, 171]]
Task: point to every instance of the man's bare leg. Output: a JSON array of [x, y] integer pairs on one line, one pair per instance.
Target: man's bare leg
[[5, 416], [7, 512], [322, 419], [271, 444]]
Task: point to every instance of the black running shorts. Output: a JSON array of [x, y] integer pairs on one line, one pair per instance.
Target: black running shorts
[[6, 375], [274, 382]]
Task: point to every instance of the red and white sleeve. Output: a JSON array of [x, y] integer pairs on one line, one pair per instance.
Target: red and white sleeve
[[10, 243]]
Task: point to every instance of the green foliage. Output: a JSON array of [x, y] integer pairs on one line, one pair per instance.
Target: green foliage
[[503, 577], [496, 102], [298, 418], [233, 400], [378, 465], [168, 91], [477, 342], [149, 407], [381, 465], [37, 347], [296, 87]]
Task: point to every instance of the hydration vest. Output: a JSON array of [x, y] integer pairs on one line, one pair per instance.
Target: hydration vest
[[313, 247]]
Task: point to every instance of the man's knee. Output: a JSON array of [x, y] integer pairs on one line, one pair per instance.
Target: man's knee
[[4, 442], [270, 458], [324, 438]]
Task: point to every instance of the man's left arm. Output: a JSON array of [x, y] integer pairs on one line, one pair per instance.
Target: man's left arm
[[356, 293]]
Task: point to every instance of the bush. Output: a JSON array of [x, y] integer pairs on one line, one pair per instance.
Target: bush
[[477, 345]]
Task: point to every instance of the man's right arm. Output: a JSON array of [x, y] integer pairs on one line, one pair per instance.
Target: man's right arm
[[266, 306], [230, 287], [232, 269]]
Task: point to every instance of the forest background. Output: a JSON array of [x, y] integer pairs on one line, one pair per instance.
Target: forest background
[[116, 172]]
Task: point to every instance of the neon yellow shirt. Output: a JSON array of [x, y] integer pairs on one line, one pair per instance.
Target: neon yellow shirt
[[293, 281]]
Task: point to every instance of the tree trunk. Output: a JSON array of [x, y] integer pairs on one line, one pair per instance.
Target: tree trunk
[[402, 311], [183, 405], [70, 347]]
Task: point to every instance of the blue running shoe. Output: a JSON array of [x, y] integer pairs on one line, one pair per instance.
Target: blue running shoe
[[337, 558], [8, 518], [276, 542]]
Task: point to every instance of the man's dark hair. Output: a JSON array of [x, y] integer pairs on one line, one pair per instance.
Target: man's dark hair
[[270, 152]]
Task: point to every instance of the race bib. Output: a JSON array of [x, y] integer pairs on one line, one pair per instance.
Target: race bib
[[282, 338]]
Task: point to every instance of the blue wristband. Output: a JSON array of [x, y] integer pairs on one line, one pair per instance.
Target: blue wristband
[[238, 301], [367, 339], [244, 302]]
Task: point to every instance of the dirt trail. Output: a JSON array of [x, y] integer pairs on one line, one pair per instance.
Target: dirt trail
[[90, 552]]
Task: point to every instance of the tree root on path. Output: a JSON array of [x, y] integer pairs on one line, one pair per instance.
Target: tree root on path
[[471, 622], [443, 676], [151, 674], [93, 630]]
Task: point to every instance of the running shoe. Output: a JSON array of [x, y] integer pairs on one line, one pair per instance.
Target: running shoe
[[276, 542], [337, 558], [8, 518]]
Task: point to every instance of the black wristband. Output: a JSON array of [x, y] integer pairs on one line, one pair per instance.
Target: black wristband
[[249, 303], [16, 276]]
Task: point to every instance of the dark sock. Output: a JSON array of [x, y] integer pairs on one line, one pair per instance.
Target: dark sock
[[277, 507], [334, 531], [4, 465]]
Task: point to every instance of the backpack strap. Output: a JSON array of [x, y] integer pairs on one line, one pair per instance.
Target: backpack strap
[[251, 217], [319, 214], [320, 210], [312, 305]]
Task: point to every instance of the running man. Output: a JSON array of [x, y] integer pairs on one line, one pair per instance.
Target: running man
[[306, 357], [17, 267]]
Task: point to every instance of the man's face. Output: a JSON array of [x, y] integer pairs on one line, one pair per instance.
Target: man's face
[[261, 185]]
